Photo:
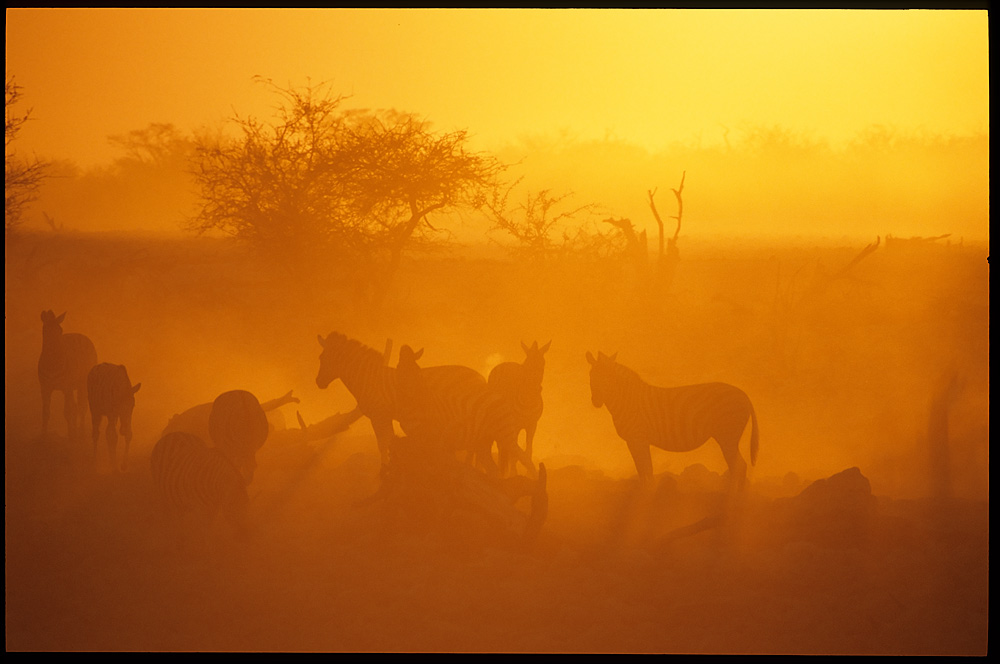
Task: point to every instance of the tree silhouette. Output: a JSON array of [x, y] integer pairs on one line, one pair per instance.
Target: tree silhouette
[[22, 177], [357, 186]]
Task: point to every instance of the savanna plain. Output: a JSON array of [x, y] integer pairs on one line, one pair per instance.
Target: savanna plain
[[863, 527]]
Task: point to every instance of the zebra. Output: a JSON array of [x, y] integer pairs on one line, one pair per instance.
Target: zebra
[[521, 387], [374, 386], [464, 418], [195, 419], [238, 428], [63, 365], [676, 419], [191, 477], [112, 396]]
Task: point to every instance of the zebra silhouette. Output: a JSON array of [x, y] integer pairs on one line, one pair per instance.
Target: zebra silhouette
[[520, 386], [189, 477], [374, 385], [63, 365], [675, 419], [466, 417], [238, 428], [195, 419], [112, 396]]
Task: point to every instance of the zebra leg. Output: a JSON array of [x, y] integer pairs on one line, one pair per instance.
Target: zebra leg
[[529, 437], [83, 404], [46, 403], [643, 462], [127, 434], [69, 412], [95, 431], [505, 447], [112, 437], [383, 436], [737, 466], [484, 456]]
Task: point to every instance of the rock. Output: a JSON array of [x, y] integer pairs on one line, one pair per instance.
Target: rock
[[835, 511]]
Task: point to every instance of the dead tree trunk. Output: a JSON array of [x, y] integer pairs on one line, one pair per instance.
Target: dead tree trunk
[[666, 263], [637, 244], [938, 438]]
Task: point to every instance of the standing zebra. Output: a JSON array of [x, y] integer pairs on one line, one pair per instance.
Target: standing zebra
[[191, 477], [466, 417], [62, 367], [112, 396], [520, 385], [676, 419], [238, 428], [374, 385]]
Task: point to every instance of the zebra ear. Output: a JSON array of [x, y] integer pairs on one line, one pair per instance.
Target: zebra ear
[[322, 341], [545, 347], [524, 347], [135, 388], [416, 355], [614, 357], [590, 358], [60, 318]]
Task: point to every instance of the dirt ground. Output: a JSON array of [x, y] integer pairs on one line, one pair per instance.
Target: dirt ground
[[887, 554]]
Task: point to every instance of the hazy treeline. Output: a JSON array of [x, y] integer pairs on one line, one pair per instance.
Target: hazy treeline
[[765, 181]]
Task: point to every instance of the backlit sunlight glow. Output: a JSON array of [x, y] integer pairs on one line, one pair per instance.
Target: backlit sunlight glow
[[509, 330]]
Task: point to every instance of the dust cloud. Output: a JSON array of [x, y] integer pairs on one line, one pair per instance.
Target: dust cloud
[[863, 528]]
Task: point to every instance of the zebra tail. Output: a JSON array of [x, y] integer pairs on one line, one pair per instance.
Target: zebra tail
[[754, 437]]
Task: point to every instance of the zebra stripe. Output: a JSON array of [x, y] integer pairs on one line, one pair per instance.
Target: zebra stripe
[[112, 396], [195, 419], [370, 382], [676, 419], [374, 385], [520, 385], [238, 428], [63, 365], [189, 476], [441, 405]]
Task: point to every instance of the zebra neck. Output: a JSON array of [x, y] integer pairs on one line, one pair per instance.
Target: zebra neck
[[627, 386], [54, 352], [366, 380]]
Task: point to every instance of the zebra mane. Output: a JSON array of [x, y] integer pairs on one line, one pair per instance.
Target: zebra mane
[[353, 345], [622, 372]]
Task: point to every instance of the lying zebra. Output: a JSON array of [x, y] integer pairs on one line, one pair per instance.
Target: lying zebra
[[241, 425], [191, 478]]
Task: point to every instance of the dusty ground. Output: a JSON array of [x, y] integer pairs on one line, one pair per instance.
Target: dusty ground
[[894, 561]]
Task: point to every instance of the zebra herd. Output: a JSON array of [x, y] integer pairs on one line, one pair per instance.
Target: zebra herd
[[447, 411]]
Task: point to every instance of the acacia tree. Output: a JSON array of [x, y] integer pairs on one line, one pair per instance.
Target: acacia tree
[[400, 172], [277, 185], [22, 177], [541, 226], [356, 185]]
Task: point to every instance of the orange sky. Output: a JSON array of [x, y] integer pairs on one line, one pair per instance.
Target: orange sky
[[647, 76]]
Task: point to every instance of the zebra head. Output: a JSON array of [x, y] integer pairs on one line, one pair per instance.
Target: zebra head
[[52, 324], [329, 359], [602, 370], [408, 358], [534, 362], [408, 375], [237, 426]]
